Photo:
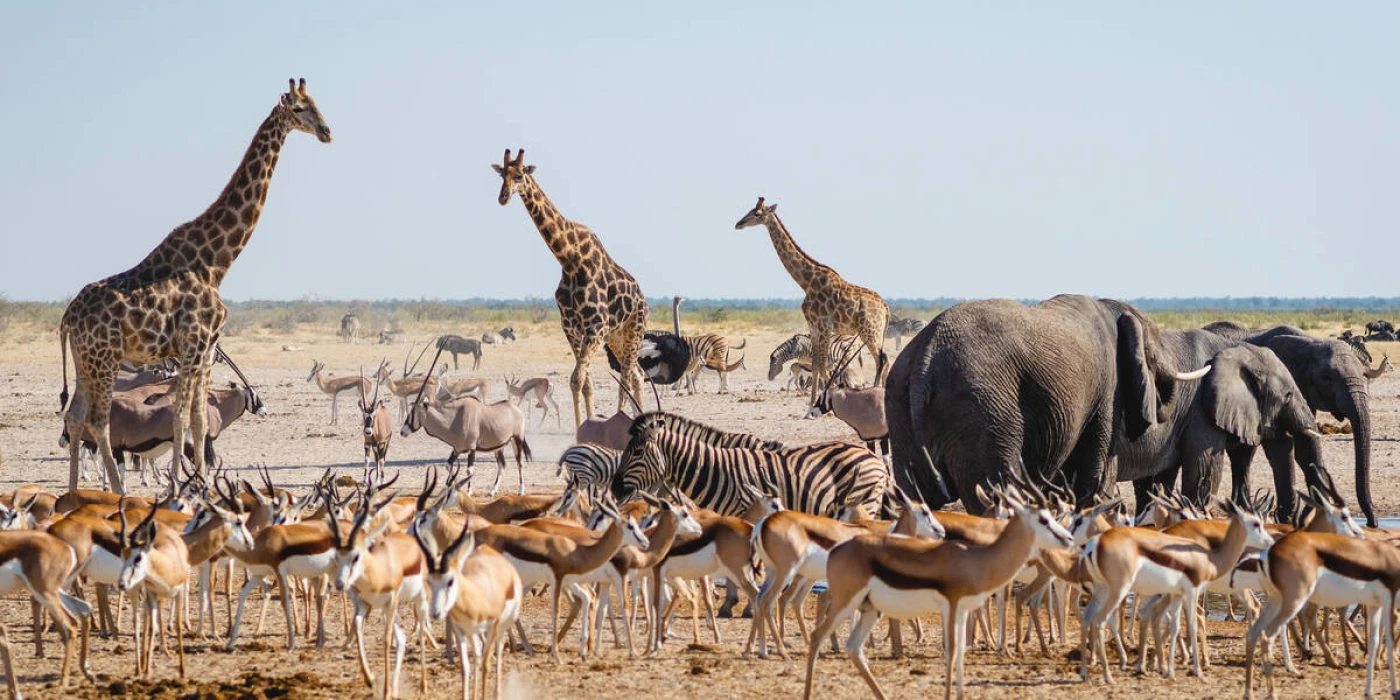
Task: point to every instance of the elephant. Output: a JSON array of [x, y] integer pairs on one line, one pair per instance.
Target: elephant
[[1332, 379], [1249, 398], [989, 384]]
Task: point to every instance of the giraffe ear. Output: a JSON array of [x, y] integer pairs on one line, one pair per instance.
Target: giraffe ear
[[772, 207], [529, 170], [499, 170]]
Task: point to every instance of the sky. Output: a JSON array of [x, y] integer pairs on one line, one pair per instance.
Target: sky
[[922, 149]]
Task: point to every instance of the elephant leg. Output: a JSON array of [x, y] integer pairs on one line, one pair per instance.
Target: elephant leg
[[1087, 464], [1240, 458], [1280, 454]]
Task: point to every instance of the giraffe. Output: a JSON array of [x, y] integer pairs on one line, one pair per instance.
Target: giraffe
[[599, 302], [832, 306], [168, 305]]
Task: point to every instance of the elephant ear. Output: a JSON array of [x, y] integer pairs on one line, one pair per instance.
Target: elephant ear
[[1136, 378], [1231, 396]]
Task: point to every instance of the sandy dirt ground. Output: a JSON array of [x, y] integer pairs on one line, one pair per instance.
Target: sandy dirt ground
[[297, 444]]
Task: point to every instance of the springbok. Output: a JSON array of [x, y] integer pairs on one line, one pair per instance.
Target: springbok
[[335, 386], [540, 389], [906, 577], [478, 593]]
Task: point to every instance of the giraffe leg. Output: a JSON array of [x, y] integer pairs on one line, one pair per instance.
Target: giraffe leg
[[76, 422], [874, 341], [580, 385], [627, 346], [99, 417], [199, 419], [184, 390], [821, 362]]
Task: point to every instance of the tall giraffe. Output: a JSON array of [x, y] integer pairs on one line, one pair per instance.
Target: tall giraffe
[[168, 305], [832, 306], [599, 302]]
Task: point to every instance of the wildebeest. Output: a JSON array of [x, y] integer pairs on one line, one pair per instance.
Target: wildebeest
[[456, 345]]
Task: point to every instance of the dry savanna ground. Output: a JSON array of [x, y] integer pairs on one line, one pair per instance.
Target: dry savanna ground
[[297, 444]]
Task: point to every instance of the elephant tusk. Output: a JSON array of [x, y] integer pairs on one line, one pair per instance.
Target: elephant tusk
[[1192, 376], [1312, 433]]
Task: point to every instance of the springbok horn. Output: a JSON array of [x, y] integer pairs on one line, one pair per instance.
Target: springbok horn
[[1192, 376]]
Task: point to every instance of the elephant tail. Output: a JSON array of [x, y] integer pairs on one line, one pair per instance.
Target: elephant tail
[[908, 391]]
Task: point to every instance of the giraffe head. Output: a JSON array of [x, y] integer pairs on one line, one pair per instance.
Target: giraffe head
[[758, 216], [300, 110], [513, 174]]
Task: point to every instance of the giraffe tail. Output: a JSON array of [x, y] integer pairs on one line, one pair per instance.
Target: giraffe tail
[[63, 347]]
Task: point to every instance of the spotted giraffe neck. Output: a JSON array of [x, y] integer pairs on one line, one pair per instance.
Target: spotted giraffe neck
[[551, 225], [212, 241], [803, 268]]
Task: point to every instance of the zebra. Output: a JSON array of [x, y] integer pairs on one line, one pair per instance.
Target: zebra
[[588, 465], [699, 432], [900, 327], [456, 344], [813, 479], [799, 347], [710, 351]]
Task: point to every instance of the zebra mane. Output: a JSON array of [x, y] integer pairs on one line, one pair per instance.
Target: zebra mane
[[700, 432]]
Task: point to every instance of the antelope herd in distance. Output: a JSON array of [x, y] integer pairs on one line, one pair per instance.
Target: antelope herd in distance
[[650, 503]]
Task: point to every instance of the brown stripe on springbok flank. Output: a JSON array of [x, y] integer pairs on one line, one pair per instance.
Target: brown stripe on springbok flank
[[523, 553], [821, 540], [308, 549], [898, 579], [415, 567], [683, 548], [1348, 567], [1165, 560]]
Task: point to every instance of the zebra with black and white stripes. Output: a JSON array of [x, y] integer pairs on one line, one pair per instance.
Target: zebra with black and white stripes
[[799, 347], [812, 479], [586, 465], [710, 351], [900, 327], [700, 432]]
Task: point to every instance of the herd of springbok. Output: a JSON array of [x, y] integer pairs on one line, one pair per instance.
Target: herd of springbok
[[653, 507]]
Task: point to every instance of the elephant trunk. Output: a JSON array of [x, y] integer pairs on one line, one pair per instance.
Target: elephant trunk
[[1355, 405]]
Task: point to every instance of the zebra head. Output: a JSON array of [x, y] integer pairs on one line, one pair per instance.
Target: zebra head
[[642, 464]]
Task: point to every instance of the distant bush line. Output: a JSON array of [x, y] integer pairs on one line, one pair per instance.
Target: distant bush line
[[489, 314]]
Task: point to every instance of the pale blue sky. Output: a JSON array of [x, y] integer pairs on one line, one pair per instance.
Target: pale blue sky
[[924, 149]]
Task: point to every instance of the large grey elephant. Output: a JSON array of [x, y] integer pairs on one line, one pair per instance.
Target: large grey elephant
[[1332, 379], [1249, 398], [988, 384]]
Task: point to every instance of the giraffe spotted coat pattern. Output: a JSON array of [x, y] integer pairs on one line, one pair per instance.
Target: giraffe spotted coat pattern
[[599, 302], [168, 305]]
